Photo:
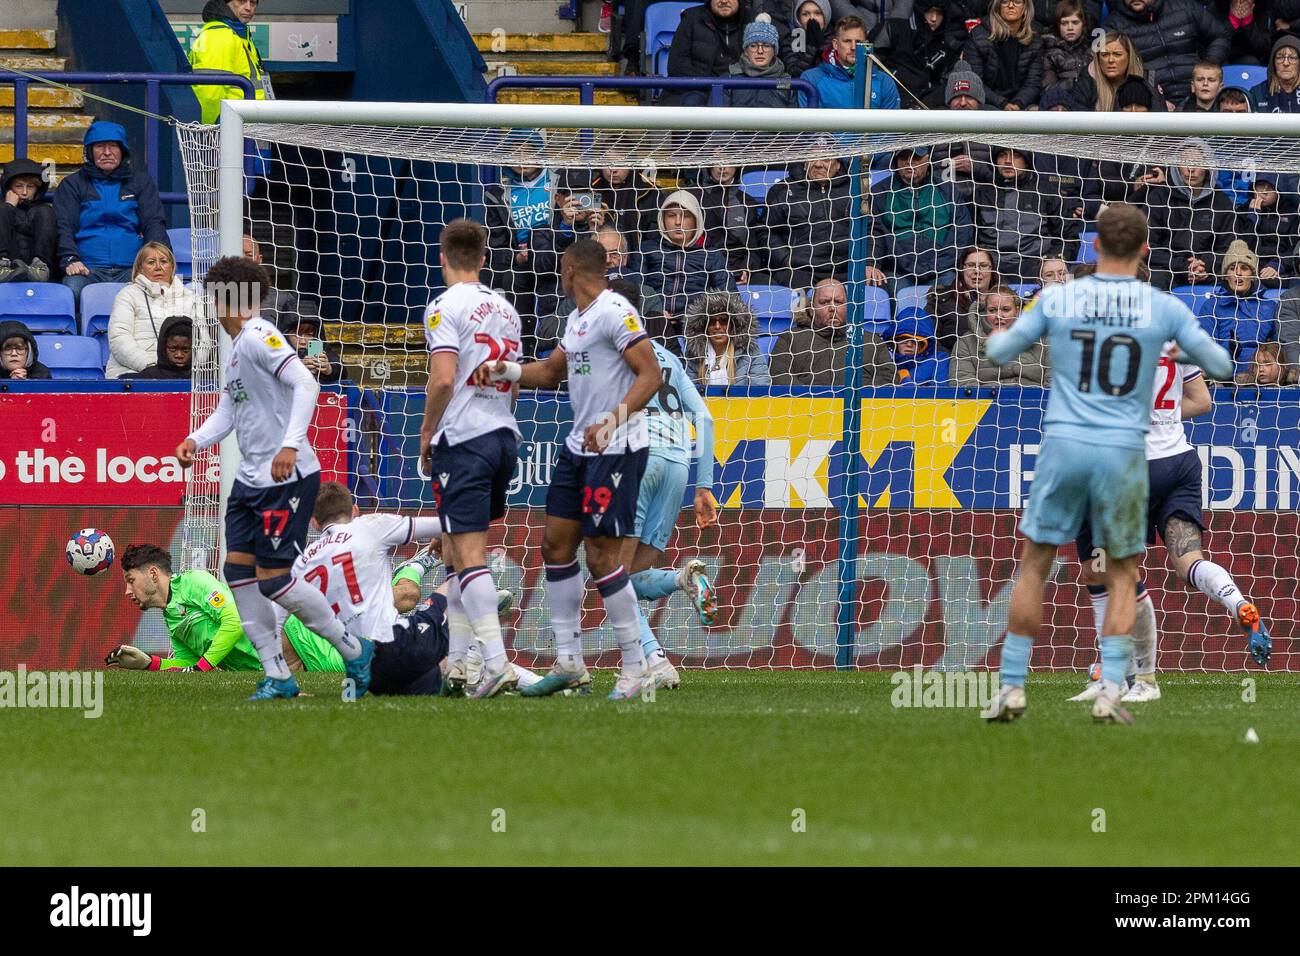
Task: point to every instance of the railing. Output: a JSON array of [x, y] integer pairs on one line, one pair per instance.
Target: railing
[[152, 82], [716, 85]]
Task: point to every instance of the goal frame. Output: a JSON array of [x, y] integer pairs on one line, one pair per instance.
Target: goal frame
[[236, 115]]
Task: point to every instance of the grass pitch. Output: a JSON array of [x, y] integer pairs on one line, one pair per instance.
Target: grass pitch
[[711, 774]]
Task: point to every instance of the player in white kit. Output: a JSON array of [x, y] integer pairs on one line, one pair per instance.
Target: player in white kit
[[468, 443], [612, 372], [268, 400], [1174, 512]]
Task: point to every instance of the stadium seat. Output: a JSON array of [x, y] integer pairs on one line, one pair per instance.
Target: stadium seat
[[1086, 251], [766, 343], [876, 314], [1244, 77], [103, 350], [182, 250], [661, 21], [1192, 294], [71, 356], [97, 305], [41, 306], [756, 184], [913, 297], [1025, 290], [1273, 294], [775, 325], [769, 301], [879, 176]]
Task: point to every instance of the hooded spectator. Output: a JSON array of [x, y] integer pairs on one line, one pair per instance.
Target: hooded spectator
[[1249, 31], [759, 60], [1269, 229], [916, 224], [1007, 54], [1067, 49], [29, 231], [632, 199], [1280, 93], [833, 77], [805, 31], [918, 55], [1114, 60], [106, 211], [720, 345], [175, 358], [730, 217], [1172, 36], [140, 308], [955, 306], [812, 351], [19, 355], [808, 226], [707, 42], [1016, 217], [1207, 84], [915, 350], [678, 265], [303, 331], [971, 367], [1236, 314], [1192, 221], [224, 45]]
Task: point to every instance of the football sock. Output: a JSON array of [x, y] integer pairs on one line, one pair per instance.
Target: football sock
[[310, 606], [619, 598], [564, 589], [459, 632], [1115, 653], [1145, 637], [655, 583], [649, 643], [478, 595], [257, 615], [1217, 583], [1015, 659]]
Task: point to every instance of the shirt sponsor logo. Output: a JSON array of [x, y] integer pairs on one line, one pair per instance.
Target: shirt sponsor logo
[[435, 319], [216, 599]]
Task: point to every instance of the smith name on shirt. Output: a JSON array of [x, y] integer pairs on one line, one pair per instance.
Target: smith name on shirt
[[1116, 304]]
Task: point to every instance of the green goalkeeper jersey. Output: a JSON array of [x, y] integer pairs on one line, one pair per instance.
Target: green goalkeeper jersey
[[203, 623], [316, 652]]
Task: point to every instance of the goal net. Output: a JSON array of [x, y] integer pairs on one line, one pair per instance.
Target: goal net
[[868, 516]]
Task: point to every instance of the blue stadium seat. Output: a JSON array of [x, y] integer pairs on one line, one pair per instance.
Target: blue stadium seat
[[879, 176], [97, 305], [768, 301], [182, 250], [1192, 294], [765, 344], [913, 297], [1024, 289], [1086, 252], [71, 356], [755, 184], [775, 325], [1273, 294], [876, 314], [661, 20], [41, 306], [1244, 77]]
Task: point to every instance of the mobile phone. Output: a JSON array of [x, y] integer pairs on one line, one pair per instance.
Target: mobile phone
[[315, 347], [585, 200]]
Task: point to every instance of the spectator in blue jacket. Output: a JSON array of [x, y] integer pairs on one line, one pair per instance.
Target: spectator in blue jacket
[[106, 211], [833, 77], [1236, 313], [1280, 93], [916, 225], [915, 350], [678, 264]]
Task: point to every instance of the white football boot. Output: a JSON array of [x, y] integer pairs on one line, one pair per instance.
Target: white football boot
[[1009, 705]]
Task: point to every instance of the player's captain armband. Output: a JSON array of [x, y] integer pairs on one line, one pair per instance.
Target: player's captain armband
[[217, 600], [630, 320], [511, 372]]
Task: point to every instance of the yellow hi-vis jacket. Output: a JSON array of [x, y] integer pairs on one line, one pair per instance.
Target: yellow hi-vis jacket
[[219, 48]]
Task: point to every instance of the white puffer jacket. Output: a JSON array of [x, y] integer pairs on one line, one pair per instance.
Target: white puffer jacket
[[138, 313]]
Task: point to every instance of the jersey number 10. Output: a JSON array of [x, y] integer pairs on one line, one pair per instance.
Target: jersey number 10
[[1101, 367]]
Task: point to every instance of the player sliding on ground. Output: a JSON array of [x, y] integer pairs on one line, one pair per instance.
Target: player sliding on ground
[[1105, 333], [1174, 512], [607, 358], [669, 414], [468, 445], [268, 401]]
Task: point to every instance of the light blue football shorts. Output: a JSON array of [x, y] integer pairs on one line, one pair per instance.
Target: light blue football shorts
[[660, 500]]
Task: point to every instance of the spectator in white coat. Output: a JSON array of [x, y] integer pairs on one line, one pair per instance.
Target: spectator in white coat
[[154, 294]]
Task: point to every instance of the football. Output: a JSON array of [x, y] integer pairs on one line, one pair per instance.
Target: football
[[90, 551]]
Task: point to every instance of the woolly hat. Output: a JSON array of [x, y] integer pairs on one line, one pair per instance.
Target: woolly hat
[[1133, 92], [1239, 252], [761, 31], [963, 81], [1054, 96]]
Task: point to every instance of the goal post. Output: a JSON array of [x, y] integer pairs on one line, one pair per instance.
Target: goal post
[[868, 522]]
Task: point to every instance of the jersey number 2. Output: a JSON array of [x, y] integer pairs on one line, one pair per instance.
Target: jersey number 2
[[321, 575], [1169, 367]]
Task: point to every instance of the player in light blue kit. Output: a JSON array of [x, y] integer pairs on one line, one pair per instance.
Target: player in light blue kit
[[669, 414], [1106, 333]]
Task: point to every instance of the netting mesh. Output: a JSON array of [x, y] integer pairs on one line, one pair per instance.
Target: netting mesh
[[765, 259]]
